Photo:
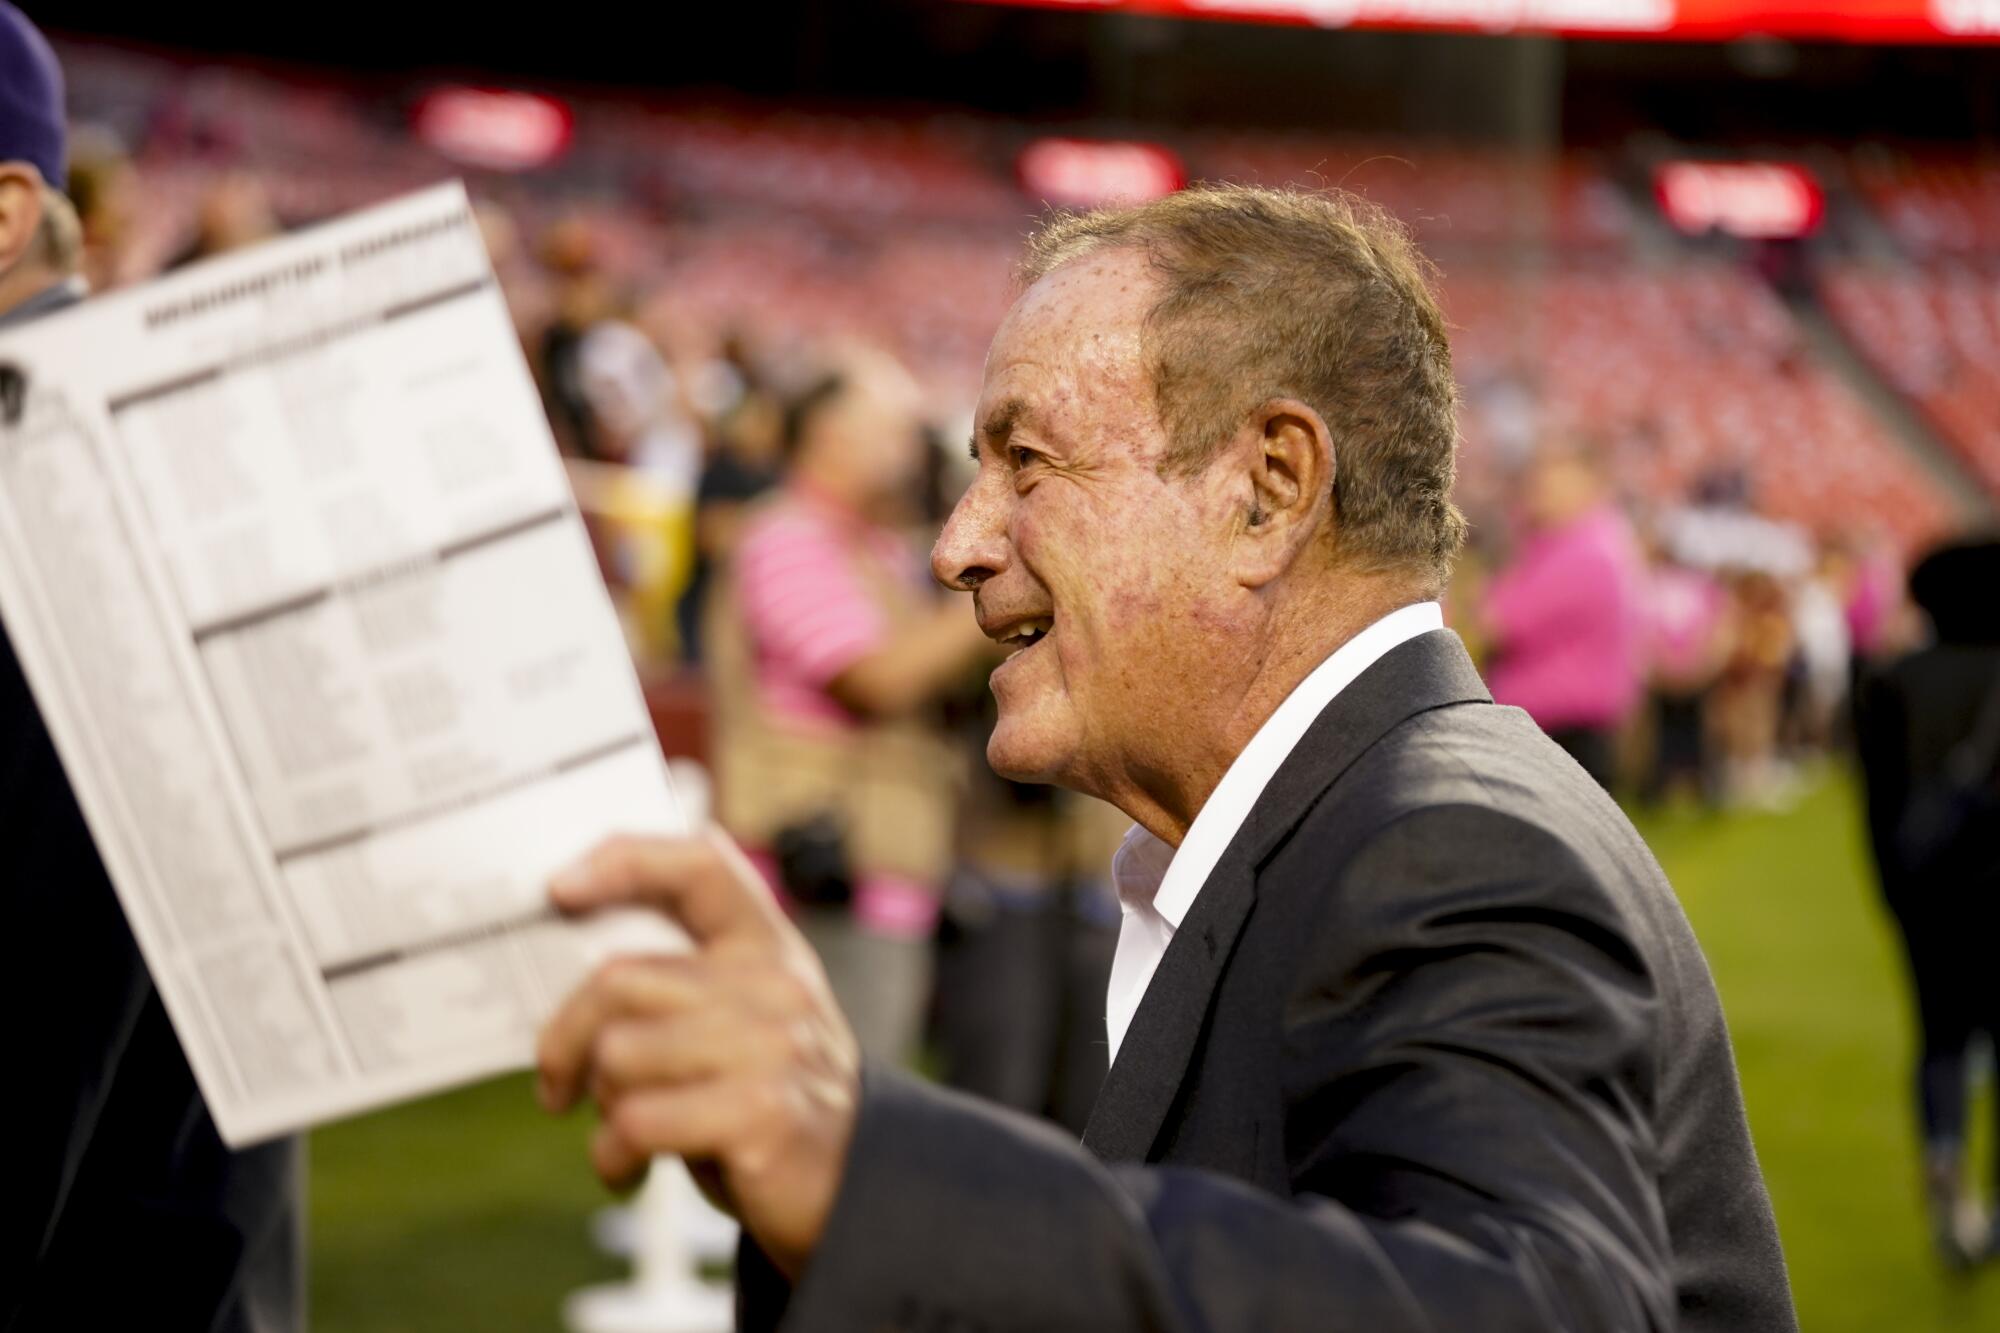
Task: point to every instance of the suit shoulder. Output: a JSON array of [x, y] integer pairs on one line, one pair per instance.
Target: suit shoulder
[[1476, 793], [1474, 757]]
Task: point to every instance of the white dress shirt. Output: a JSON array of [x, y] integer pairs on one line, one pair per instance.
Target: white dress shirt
[[1157, 884]]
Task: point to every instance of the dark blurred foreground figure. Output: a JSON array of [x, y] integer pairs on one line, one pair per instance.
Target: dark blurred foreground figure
[[1928, 728], [120, 1208], [1408, 1031]]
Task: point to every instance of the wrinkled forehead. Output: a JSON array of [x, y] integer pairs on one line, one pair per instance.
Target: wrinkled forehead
[[1073, 342]]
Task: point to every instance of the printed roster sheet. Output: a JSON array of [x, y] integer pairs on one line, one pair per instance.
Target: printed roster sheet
[[291, 564]]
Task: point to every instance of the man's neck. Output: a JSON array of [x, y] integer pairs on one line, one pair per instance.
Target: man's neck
[[1163, 794]]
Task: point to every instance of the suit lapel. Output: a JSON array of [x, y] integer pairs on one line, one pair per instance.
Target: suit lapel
[[1154, 1055], [1427, 672]]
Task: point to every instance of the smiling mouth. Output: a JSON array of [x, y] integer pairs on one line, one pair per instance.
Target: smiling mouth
[[1027, 634]]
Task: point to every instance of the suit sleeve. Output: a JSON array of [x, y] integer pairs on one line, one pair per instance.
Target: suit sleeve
[[1470, 1062]]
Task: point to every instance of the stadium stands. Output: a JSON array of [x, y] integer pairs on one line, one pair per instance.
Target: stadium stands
[[1930, 204], [1685, 372], [905, 229], [1934, 331], [1453, 197]]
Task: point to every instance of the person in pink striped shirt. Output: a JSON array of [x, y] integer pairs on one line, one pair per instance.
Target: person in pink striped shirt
[[1566, 616], [842, 646]]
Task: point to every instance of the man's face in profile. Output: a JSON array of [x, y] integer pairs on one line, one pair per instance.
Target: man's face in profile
[[1100, 573]]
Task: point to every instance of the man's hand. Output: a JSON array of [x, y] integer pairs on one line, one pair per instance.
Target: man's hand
[[734, 1057]]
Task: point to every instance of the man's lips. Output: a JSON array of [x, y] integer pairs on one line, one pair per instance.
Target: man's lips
[[1015, 633]]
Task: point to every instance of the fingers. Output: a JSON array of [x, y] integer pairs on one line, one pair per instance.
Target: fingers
[[622, 988], [742, 1065], [685, 1047], [697, 1121], [618, 1164], [643, 1019], [735, 1057], [704, 883]]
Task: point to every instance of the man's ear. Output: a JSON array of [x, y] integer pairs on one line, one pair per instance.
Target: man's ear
[[20, 211], [1291, 473]]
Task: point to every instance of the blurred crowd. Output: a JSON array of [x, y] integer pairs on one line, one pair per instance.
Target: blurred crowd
[[1694, 649], [1689, 591]]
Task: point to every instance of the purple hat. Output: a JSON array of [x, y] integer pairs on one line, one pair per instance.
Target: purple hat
[[31, 98]]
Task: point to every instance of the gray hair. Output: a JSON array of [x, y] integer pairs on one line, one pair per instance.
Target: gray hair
[[1315, 295]]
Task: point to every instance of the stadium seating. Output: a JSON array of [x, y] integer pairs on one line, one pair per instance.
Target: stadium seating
[[1453, 197], [905, 231], [1928, 203], [1684, 372], [1934, 331]]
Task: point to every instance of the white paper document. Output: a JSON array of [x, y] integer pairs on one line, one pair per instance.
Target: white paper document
[[289, 559]]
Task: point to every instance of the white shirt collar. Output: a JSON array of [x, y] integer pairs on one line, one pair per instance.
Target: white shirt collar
[[1157, 883]]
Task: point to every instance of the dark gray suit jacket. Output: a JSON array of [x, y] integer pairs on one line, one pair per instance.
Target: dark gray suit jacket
[[1434, 1049]]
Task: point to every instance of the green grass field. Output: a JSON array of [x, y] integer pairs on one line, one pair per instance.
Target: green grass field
[[471, 1210]]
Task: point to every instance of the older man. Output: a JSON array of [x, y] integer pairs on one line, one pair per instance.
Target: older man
[[1409, 1031]]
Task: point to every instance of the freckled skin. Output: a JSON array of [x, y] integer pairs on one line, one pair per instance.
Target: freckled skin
[[1072, 517], [1179, 626]]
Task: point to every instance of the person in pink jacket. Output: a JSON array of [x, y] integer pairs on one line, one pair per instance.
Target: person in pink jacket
[[1566, 616]]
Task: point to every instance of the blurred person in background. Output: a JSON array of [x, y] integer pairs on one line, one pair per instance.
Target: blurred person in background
[[1746, 708], [584, 297], [122, 1207], [1878, 620], [827, 650], [1687, 644], [637, 410], [741, 463], [1565, 618], [1928, 731], [1031, 921], [712, 383], [104, 186], [641, 483], [1819, 679], [235, 211]]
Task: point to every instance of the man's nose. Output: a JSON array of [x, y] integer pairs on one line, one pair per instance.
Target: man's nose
[[973, 546]]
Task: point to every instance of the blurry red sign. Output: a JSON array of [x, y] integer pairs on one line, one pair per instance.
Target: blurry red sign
[[1082, 173], [1834, 20], [499, 130], [1756, 200]]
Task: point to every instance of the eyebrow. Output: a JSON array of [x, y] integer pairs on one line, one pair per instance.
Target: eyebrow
[[998, 425]]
